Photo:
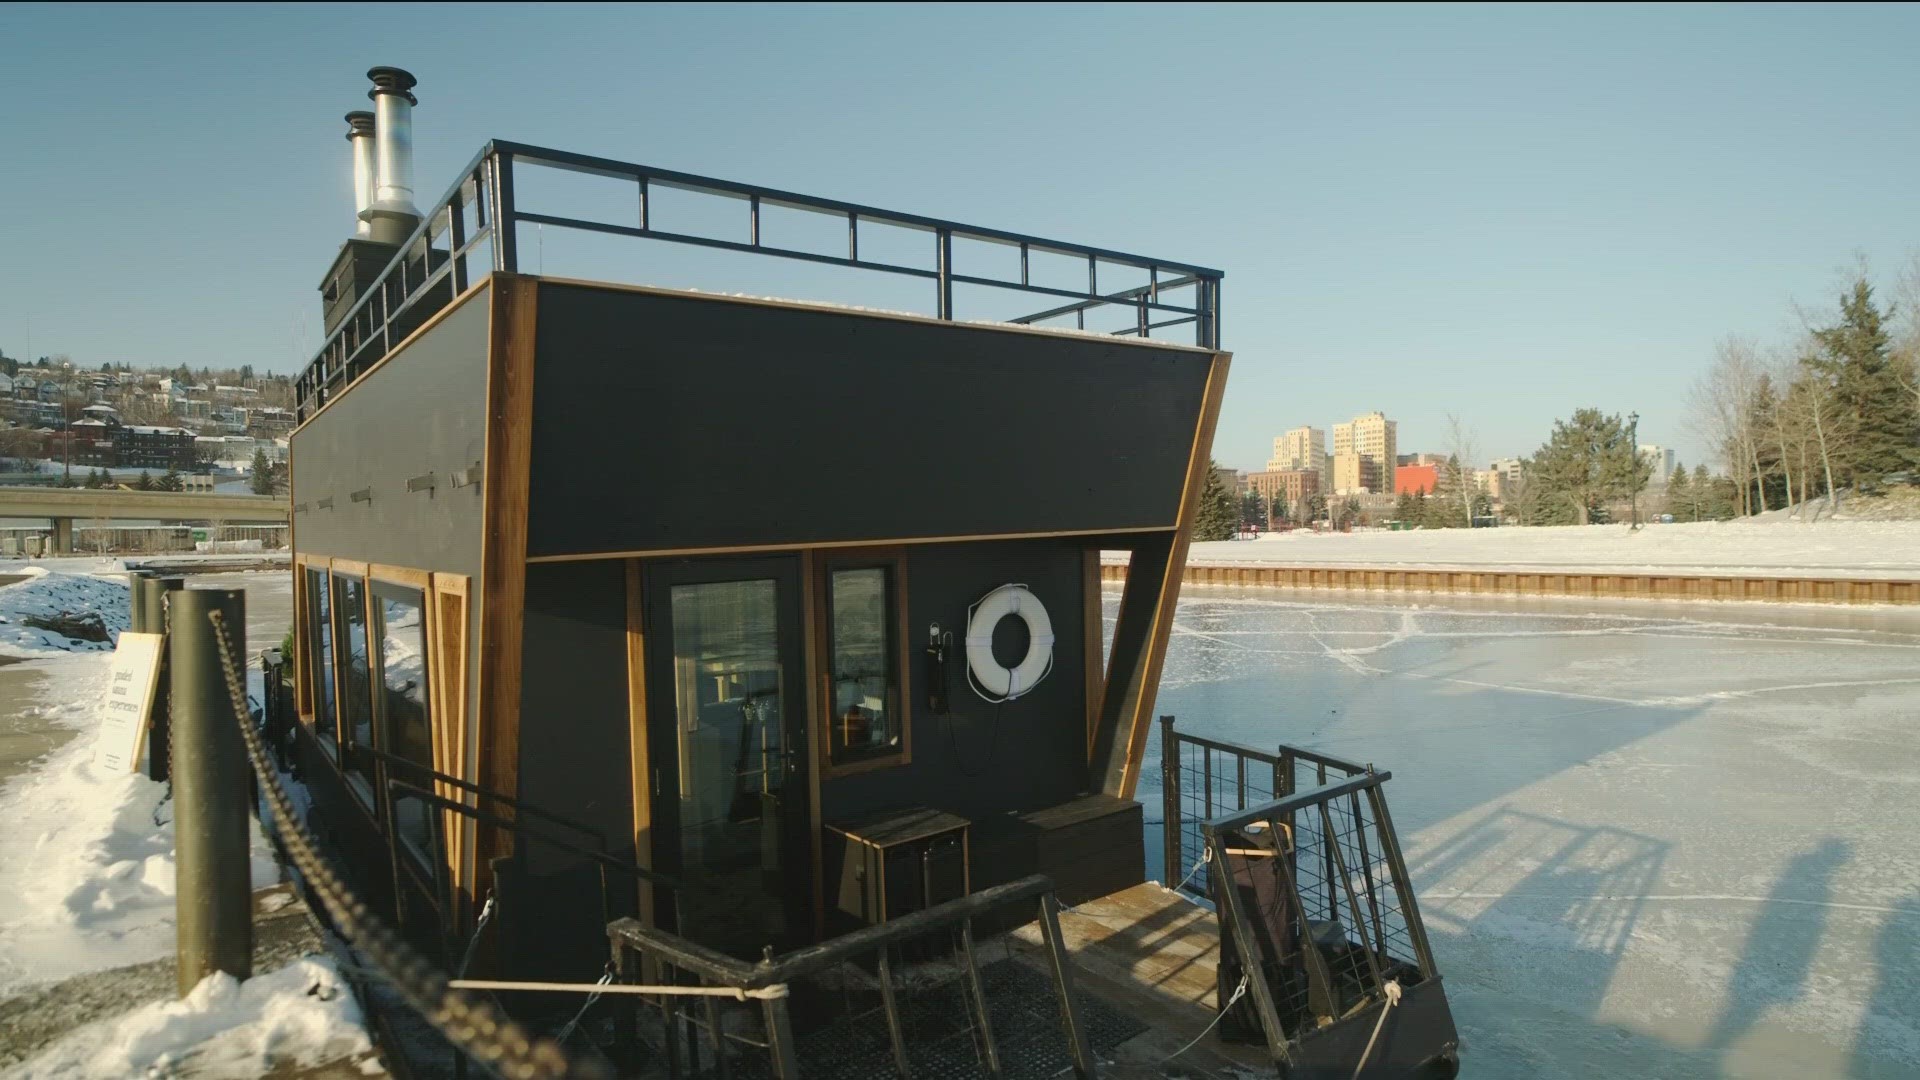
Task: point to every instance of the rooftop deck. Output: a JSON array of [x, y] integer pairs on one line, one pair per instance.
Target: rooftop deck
[[476, 228]]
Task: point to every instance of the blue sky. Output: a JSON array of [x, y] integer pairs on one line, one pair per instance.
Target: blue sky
[[1500, 213]]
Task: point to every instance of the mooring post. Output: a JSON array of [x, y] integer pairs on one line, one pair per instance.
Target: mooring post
[[136, 599], [213, 883], [152, 615]]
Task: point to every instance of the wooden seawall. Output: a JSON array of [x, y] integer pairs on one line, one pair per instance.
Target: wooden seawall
[[1550, 583]]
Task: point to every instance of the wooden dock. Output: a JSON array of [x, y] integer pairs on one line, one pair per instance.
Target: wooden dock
[[1440, 581], [1153, 954]]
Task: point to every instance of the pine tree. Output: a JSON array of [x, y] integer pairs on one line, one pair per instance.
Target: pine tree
[[262, 479], [1680, 495], [145, 483], [169, 482], [1219, 512], [1587, 462], [1855, 360]]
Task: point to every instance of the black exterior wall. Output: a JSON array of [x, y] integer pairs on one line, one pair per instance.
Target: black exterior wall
[[421, 412], [574, 761], [673, 421], [980, 760]]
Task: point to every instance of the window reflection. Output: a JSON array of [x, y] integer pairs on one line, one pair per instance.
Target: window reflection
[[407, 721], [320, 660], [865, 679], [356, 705]]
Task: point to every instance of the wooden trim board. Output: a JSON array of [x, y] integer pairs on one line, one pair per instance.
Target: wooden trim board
[[833, 545], [503, 575]]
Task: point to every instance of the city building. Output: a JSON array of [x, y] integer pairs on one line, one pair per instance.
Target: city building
[[141, 446], [1288, 489], [1301, 448], [1354, 474], [1417, 479], [1372, 437], [1231, 479], [1501, 478], [1661, 459]]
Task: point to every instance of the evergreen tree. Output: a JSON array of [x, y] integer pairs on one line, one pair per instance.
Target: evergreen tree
[[169, 482], [145, 483], [1316, 507], [262, 479], [1253, 509], [1855, 360], [1219, 512], [1407, 508], [1586, 463], [1680, 495]]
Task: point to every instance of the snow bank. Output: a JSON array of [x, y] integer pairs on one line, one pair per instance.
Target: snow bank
[[86, 856], [220, 547], [1868, 549], [300, 1015], [45, 594]]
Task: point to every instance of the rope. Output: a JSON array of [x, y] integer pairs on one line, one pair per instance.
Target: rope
[[1392, 990], [473, 943], [1199, 865], [1238, 993], [599, 988], [604, 987], [475, 1026]]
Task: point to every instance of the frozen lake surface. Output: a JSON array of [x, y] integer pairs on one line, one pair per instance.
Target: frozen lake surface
[[1650, 839]]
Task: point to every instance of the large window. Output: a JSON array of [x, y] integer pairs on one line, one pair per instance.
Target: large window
[[406, 724], [320, 660], [866, 716], [356, 685]]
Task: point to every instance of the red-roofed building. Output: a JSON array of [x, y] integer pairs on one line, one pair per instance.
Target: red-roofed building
[[1416, 479]]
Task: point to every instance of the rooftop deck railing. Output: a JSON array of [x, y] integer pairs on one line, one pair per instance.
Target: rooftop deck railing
[[474, 229]]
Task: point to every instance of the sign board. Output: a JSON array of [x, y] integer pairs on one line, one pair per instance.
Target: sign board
[[200, 534], [130, 686]]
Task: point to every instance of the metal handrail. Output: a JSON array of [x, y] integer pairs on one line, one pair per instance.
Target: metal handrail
[[716, 968], [487, 184], [1291, 804]]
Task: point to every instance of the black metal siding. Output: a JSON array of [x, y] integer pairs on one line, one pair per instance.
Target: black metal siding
[[664, 422], [423, 411], [982, 760]]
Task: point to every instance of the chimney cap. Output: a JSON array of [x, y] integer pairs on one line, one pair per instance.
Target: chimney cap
[[360, 123], [393, 80]]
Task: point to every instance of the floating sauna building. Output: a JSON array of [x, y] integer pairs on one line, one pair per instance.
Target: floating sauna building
[[795, 605], [708, 628]]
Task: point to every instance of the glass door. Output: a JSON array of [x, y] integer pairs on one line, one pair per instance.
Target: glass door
[[726, 728]]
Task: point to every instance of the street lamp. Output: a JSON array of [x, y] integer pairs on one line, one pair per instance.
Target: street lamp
[[1633, 474]]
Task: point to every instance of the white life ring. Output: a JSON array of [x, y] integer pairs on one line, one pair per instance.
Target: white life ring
[[990, 679]]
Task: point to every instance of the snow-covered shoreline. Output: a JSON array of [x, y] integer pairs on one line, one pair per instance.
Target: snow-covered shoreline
[[87, 879], [1836, 549]]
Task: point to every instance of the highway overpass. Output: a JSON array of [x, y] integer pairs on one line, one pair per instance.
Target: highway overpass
[[62, 507]]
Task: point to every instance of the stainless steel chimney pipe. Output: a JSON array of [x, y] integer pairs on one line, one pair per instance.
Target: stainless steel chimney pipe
[[392, 214], [360, 134]]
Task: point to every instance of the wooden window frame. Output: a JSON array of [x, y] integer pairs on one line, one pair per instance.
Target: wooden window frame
[[449, 607], [825, 563], [355, 571]]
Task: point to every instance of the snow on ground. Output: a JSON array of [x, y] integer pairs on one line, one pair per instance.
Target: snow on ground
[[1672, 842], [86, 856], [1881, 549], [301, 1014], [44, 594]]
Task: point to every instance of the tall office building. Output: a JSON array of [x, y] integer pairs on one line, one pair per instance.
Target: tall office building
[[1372, 437], [1301, 448], [1661, 459]]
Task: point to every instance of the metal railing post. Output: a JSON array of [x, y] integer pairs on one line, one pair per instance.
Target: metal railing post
[[1170, 801], [943, 251], [211, 785], [506, 248]]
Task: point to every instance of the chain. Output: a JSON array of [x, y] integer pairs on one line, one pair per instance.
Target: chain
[[473, 1025]]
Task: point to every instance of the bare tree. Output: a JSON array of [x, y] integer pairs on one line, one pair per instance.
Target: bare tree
[[1722, 412], [1463, 448], [1906, 328]]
